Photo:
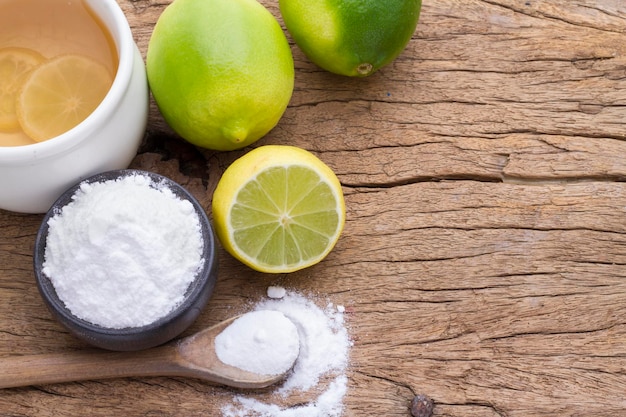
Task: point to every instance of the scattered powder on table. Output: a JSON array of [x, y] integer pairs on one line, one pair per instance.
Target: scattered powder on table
[[324, 354], [123, 252], [276, 292], [264, 342]]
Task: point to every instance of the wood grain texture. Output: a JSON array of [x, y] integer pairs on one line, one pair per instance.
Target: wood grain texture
[[483, 261]]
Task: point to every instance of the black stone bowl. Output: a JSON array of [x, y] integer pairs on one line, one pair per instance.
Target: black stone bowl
[[134, 338]]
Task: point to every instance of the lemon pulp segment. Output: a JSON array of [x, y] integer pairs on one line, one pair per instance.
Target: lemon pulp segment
[[286, 216]]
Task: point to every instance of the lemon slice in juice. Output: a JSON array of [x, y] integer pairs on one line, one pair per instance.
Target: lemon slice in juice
[[278, 209], [15, 64], [61, 93]]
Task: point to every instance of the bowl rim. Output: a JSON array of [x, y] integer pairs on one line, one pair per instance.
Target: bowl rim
[[201, 287], [111, 14]]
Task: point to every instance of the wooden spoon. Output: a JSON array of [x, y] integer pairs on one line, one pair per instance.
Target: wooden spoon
[[193, 356]]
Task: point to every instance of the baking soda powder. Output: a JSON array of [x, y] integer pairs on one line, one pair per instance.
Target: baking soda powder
[[320, 368], [264, 342], [123, 252]]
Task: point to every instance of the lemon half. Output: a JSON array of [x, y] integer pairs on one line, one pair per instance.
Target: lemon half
[[278, 209]]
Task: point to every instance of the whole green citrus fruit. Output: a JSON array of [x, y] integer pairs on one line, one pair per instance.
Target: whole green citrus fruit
[[221, 71], [351, 37]]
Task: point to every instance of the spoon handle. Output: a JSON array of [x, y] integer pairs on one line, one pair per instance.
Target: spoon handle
[[19, 371]]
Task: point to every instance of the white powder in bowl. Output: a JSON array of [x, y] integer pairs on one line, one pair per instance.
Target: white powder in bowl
[[123, 252], [324, 353], [264, 342]]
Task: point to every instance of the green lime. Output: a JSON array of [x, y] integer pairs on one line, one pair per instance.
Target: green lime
[[220, 71], [351, 37], [278, 209]]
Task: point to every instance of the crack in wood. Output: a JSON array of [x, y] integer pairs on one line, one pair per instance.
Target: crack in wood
[[550, 333], [530, 11]]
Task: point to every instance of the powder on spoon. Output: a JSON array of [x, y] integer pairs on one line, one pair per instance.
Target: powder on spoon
[[324, 351], [123, 252], [264, 342]]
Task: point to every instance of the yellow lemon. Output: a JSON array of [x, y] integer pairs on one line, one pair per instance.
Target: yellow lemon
[[220, 71], [15, 64], [351, 37], [278, 209], [59, 94]]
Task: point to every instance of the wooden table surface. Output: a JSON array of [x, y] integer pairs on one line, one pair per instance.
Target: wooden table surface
[[483, 261]]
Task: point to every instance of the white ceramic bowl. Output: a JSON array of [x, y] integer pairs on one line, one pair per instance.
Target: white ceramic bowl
[[32, 177]]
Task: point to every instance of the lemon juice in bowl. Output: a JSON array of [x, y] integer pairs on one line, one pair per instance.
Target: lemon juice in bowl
[[50, 78], [34, 175]]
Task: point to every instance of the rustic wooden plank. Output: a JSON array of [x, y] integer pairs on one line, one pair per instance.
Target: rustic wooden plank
[[473, 299], [483, 258]]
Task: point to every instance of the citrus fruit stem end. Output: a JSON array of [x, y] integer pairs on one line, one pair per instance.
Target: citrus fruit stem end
[[364, 69]]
